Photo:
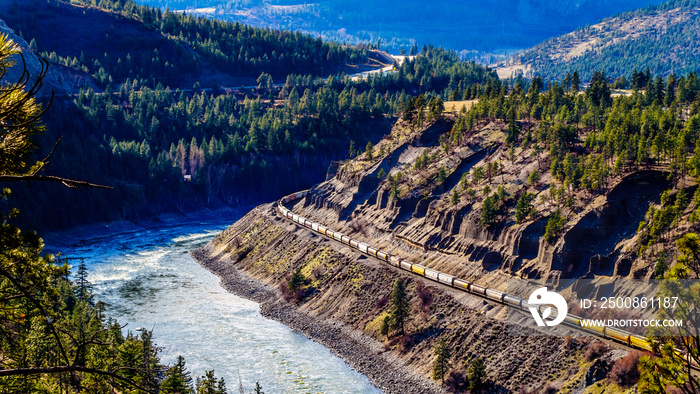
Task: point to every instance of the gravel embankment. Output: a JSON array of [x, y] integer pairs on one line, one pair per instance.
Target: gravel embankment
[[362, 353]]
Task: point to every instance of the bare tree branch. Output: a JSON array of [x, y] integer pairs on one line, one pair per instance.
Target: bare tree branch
[[72, 183], [70, 368], [44, 162]]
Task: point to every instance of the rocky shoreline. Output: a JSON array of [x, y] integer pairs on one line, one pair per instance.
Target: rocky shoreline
[[361, 352]]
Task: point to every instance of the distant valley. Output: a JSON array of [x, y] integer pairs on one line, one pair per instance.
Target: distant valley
[[468, 26]]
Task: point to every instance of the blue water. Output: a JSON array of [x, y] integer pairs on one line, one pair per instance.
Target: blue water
[[149, 280]]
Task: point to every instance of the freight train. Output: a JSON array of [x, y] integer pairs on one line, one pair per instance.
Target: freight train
[[611, 333]]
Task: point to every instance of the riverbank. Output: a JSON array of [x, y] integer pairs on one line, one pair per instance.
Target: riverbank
[[361, 352], [145, 276], [347, 296]]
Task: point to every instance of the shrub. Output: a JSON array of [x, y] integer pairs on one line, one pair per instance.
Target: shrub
[[405, 343], [381, 303], [550, 388], [456, 382], [424, 296], [595, 350], [533, 177], [624, 372]]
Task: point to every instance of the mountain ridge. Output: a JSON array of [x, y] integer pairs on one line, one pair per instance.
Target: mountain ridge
[[661, 38]]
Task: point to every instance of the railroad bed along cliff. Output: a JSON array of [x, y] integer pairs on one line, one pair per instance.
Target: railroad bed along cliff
[[399, 200], [347, 297]]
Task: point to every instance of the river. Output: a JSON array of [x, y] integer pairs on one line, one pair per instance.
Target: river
[[149, 280]]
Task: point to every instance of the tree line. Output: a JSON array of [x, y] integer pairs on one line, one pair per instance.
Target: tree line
[[165, 149]]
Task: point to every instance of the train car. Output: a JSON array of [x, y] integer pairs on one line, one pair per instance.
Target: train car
[[354, 244], [382, 255], [474, 288], [337, 236], [461, 284], [432, 274], [513, 301], [372, 251], [573, 320], [363, 247], [314, 226], [308, 223], [406, 265], [345, 239], [600, 330], [290, 215], [395, 261], [445, 279], [614, 333], [418, 269], [494, 295], [640, 343], [322, 229]]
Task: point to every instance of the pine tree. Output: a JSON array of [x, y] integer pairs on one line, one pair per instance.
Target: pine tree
[[455, 197], [554, 224], [442, 363], [297, 280], [399, 309], [208, 384], [369, 151], [177, 379], [489, 213], [476, 374], [258, 388], [84, 287], [575, 82], [524, 206], [66, 346]]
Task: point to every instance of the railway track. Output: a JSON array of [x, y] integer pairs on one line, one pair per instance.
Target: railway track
[[622, 337]]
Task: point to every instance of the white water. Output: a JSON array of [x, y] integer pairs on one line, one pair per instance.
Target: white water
[[148, 279]]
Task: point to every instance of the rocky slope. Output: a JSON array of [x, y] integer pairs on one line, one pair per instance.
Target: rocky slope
[[348, 296], [409, 210], [422, 222]]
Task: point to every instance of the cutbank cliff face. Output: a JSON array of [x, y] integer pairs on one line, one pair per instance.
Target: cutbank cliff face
[[426, 203], [415, 198]]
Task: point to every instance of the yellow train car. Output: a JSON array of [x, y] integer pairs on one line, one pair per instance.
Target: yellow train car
[[418, 269], [619, 335]]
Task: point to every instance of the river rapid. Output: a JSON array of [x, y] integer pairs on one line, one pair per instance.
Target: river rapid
[[148, 280]]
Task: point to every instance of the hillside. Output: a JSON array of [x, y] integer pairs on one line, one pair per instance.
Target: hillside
[[147, 125], [120, 42], [459, 25], [537, 185], [661, 38], [58, 78]]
